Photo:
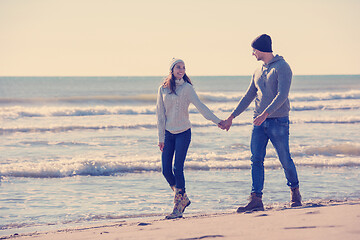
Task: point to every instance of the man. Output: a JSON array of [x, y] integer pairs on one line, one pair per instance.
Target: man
[[270, 87]]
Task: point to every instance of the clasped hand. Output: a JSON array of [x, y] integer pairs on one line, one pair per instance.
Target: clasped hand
[[225, 124]]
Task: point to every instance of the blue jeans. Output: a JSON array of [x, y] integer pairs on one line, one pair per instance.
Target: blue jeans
[[277, 130], [178, 144]]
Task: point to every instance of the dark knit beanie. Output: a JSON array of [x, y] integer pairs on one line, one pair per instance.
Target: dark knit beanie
[[262, 43]]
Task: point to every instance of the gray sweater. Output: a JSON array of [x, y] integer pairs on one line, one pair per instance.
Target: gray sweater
[[270, 87]]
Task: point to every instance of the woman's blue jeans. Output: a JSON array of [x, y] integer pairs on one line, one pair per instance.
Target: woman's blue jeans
[[277, 130], [178, 144]]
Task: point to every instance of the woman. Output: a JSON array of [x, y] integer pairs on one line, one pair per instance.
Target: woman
[[174, 129]]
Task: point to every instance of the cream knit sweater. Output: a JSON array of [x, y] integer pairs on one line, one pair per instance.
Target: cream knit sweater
[[172, 110]]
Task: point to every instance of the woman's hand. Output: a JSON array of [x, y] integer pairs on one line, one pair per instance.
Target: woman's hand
[[161, 146]]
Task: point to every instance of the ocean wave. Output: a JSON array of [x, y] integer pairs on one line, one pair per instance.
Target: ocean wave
[[244, 122], [323, 96], [76, 167], [102, 169], [345, 120], [334, 155], [58, 129], [349, 149], [60, 111], [218, 97], [17, 112], [81, 99], [294, 97], [326, 105], [16, 226]]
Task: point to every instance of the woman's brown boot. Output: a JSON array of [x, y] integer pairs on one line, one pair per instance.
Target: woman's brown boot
[[185, 201], [178, 208]]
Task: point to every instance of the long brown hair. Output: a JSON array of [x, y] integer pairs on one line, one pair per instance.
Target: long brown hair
[[169, 82]]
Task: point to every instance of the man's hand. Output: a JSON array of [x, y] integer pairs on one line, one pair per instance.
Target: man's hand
[[228, 122], [260, 119]]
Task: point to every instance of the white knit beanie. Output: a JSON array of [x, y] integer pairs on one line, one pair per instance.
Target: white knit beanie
[[174, 61]]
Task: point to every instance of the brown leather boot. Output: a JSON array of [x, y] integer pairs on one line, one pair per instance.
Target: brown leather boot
[[295, 197], [255, 204]]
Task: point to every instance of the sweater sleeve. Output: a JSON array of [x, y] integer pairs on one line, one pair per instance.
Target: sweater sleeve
[[284, 81], [245, 101], [160, 115], [203, 109]]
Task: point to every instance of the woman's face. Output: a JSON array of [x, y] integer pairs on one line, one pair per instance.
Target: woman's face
[[179, 70]]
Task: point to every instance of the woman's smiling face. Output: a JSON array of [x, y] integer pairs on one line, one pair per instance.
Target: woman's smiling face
[[179, 70]]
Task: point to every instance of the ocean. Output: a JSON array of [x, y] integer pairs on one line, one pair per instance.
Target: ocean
[[83, 150]]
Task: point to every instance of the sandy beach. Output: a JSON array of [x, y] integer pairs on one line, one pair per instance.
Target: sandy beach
[[314, 220]]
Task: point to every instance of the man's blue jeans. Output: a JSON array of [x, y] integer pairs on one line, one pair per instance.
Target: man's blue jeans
[[277, 130], [178, 144]]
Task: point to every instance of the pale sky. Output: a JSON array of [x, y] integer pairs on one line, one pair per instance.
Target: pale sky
[[139, 37]]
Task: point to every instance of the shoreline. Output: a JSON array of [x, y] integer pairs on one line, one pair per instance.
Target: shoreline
[[316, 219]]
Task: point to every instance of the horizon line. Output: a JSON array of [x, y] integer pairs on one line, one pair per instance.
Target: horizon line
[[166, 75]]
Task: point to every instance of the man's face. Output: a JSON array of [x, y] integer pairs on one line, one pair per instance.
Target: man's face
[[257, 54]]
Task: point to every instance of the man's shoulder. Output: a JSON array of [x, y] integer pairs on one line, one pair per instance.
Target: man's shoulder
[[281, 63], [283, 66]]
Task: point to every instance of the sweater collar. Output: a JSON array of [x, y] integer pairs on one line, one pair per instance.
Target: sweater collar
[[179, 82]]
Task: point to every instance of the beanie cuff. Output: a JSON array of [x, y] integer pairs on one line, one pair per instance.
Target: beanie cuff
[[173, 62]]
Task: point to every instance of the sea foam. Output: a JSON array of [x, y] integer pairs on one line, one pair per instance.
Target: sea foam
[[16, 112], [333, 155]]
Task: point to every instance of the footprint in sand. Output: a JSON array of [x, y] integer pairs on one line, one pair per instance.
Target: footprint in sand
[[262, 215], [144, 224], [202, 237], [313, 212], [303, 227]]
